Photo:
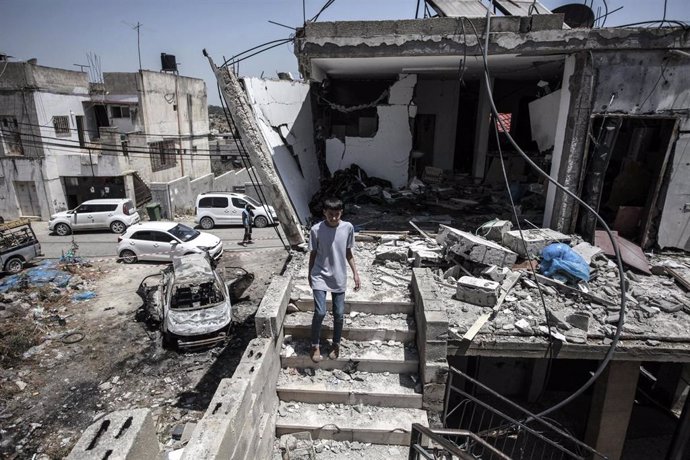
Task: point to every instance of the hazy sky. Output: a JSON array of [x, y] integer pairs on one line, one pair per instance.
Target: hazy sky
[[60, 33]]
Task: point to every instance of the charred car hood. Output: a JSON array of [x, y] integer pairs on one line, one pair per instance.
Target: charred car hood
[[198, 321]]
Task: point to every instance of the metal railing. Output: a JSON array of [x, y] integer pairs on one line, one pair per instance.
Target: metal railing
[[506, 426], [490, 426]]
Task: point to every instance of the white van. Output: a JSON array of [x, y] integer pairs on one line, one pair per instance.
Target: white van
[[225, 208]]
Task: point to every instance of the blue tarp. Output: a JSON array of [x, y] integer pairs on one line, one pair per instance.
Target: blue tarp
[[84, 295], [40, 275], [560, 262]]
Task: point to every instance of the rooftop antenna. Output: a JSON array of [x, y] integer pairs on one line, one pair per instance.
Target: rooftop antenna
[[82, 67], [137, 27]]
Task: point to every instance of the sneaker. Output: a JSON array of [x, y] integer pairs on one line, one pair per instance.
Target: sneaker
[[315, 354], [250, 242], [335, 351]]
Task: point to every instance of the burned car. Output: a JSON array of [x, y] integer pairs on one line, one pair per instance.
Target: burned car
[[189, 302]]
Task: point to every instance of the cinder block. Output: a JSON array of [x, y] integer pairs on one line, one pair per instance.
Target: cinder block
[[426, 257], [434, 397], [495, 230], [436, 325], [435, 373], [269, 316], [386, 252], [120, 435], [266, 437], [435, 351], [535, 239], [475, 248], [478, 291], [218, 431]]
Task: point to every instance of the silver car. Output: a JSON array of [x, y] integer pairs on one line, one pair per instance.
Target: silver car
[[161, 241], [115, 214], [189, 302]]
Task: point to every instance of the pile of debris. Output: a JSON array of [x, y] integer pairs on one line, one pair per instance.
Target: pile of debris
[[504, 279]]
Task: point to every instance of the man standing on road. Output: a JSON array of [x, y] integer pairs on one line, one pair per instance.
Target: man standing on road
[[330, 246], [247, 222]]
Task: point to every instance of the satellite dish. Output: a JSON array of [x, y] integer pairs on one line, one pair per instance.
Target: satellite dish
[[577, 15]]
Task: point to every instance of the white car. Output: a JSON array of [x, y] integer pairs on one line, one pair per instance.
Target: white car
[[225, 208], [115, 214], [161, 241], [189, 302]]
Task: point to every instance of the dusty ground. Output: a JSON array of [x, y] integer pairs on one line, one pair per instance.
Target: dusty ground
[[54, 391]]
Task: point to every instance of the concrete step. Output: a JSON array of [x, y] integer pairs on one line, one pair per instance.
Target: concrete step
[[360, 423], [323, 386], [374, 308], [358, 326], [376, 356]]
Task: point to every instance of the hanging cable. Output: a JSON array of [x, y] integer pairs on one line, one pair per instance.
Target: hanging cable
[[246, 161], [614, 342]]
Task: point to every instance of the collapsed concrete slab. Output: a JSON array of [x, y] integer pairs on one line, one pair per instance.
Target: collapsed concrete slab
[[393, 253], [535, 240], [478, 291], [475, 248], [495, 230]]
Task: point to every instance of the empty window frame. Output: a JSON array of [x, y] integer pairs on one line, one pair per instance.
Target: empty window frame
[[10, 137], [163, 155], [61, 125], [119, 111]]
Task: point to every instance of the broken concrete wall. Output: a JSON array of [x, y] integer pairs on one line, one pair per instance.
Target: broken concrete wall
[[283, 112], [661, 88], [386, 155], [440, 98], [543, 117]]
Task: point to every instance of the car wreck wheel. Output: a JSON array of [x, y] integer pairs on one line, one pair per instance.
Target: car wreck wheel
[[207, 223], [118, 227], [62, 229], [14, 265], [128, 256], [169, 342], [260, 222]]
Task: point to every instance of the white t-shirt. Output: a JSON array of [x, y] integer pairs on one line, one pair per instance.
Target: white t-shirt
[[330, 266]]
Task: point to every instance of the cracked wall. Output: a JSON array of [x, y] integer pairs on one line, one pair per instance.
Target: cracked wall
[[283, 111], [386, 154]]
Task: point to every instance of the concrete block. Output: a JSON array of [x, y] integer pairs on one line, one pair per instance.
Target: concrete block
[[478, 291], [269, 316], [474, 248], [385, 253], [435, 373], [434, 397], [535, 240], [435, 351], [120, 435], [426, 257], [587, 251], [495, 230], [436, 325], [266, 437], [495, 273]]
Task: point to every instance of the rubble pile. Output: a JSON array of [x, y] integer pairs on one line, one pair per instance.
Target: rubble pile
[[573, 311], [455, 200]]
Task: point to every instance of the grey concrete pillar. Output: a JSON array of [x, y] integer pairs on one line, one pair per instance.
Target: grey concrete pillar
[[612, 403]]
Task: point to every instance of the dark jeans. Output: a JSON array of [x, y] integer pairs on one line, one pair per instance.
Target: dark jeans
[[247, 233], [320, 312]]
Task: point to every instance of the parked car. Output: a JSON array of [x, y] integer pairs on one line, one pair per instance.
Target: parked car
[[115, 214], [225, 208], [161, 241], [189, 302], [18, 245]]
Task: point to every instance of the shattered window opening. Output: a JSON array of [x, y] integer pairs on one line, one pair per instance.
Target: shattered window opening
[[61, 125], [196, 296]]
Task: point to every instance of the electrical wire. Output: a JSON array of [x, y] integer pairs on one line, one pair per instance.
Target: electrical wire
[[246, 160], [323, 8], [233, 59], [614, 342]]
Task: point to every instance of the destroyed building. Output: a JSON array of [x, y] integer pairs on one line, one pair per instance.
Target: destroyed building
[[603, 110]]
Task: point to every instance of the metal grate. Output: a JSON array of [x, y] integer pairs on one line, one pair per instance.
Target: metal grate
[[498, 429]]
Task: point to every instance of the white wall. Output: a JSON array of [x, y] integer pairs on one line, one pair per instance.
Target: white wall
[[440, 98], [286, 106], [543, 117], [387, 154]]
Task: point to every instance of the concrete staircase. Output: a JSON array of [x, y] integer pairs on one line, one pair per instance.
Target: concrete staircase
[[370, 394]]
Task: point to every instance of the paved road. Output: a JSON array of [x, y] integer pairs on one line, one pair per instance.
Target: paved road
[[104, 243]]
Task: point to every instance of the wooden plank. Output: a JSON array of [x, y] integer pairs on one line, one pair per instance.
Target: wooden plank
[[662, 270], [567, 289], [510, 283]]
